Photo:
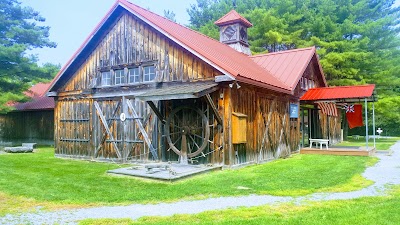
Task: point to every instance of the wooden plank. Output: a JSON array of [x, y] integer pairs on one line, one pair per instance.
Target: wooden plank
[[228, 148], [156, 111], [143, 131], [214, 108], [105, 124]]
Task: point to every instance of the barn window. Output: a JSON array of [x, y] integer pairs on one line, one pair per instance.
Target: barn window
[[302, 83], [133, 75], [149, 73], [119, 77], [106, 78]]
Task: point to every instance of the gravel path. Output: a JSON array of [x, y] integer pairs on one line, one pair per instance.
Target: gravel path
[[384, 173]]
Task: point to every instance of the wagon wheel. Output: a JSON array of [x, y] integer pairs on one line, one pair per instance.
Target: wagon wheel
[[187, 128]]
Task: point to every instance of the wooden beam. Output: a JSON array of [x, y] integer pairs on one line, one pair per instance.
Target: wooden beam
[[105, 124], [214, 108], [156, 111], [228, 146], [143, 131]]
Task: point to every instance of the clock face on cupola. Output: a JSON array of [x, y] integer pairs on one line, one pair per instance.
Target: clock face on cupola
[[230, 33]]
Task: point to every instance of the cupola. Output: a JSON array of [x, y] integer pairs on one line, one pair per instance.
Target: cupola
[[233, 31]]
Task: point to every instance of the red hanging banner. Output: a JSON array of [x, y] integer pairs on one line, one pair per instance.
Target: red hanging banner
[[354, 115]]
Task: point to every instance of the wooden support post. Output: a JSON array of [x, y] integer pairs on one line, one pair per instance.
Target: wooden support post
[[373, 123], [105, 124], [143, 131], [228, 147], [366, 123], [124, 135], [256, 127]]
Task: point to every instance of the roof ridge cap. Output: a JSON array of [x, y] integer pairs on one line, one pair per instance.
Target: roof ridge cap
[[282, 52], [185, 27], [346, 86]]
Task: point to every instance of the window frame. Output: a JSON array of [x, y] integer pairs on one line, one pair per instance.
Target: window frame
[[103, 78], [120, 75], [143, 76], [137, 75]]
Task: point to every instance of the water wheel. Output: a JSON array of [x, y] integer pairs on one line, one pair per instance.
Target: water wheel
[[187, 131]]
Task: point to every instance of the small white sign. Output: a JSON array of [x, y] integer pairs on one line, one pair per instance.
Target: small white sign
[[222, 78], [122, 117]]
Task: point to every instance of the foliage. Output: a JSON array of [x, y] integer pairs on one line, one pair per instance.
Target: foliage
[[49, 179], [381, 210], [358, 41], [388, 114], [381, 143], [169, 15], [19, 32]]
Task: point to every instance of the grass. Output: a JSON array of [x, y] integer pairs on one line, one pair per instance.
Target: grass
[[381, 144], [367, 210], [40, 179]]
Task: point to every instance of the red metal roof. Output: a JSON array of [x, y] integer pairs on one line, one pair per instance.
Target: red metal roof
[[219, 55], [39, 101], [339, 92], [232, 17], [287, 66], [38, 89]]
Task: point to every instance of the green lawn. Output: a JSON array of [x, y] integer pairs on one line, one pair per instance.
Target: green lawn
[[365, 211], [29, 180], [381, 144]]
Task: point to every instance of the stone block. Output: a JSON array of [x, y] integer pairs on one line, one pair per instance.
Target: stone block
[[19, 149]]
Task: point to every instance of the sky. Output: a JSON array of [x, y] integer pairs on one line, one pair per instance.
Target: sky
[[72, 21]]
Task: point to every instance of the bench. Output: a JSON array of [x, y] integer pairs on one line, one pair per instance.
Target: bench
[[356, 137], [320, 142], [150, 167], [29, 145]]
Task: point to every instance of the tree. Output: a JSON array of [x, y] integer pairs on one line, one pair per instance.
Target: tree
[[357, 41], [169, 15], [19, 32]]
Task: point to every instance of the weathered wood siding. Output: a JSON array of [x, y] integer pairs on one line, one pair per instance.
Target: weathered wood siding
[[81, 133], [73, 127], [132, 42], [27, 126], [270, 132], [331, 127], [311, 73]]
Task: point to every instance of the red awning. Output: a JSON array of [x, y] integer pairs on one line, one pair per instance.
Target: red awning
[[339, 93]]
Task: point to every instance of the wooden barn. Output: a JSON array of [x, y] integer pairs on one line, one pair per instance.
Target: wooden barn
[[143, 88], [32, 121]]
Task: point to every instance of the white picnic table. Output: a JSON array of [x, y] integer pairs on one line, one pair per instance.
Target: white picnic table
[[320, 142]]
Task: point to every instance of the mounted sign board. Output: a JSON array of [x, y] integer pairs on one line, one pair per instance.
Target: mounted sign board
[[223, 78], [294, 110]]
